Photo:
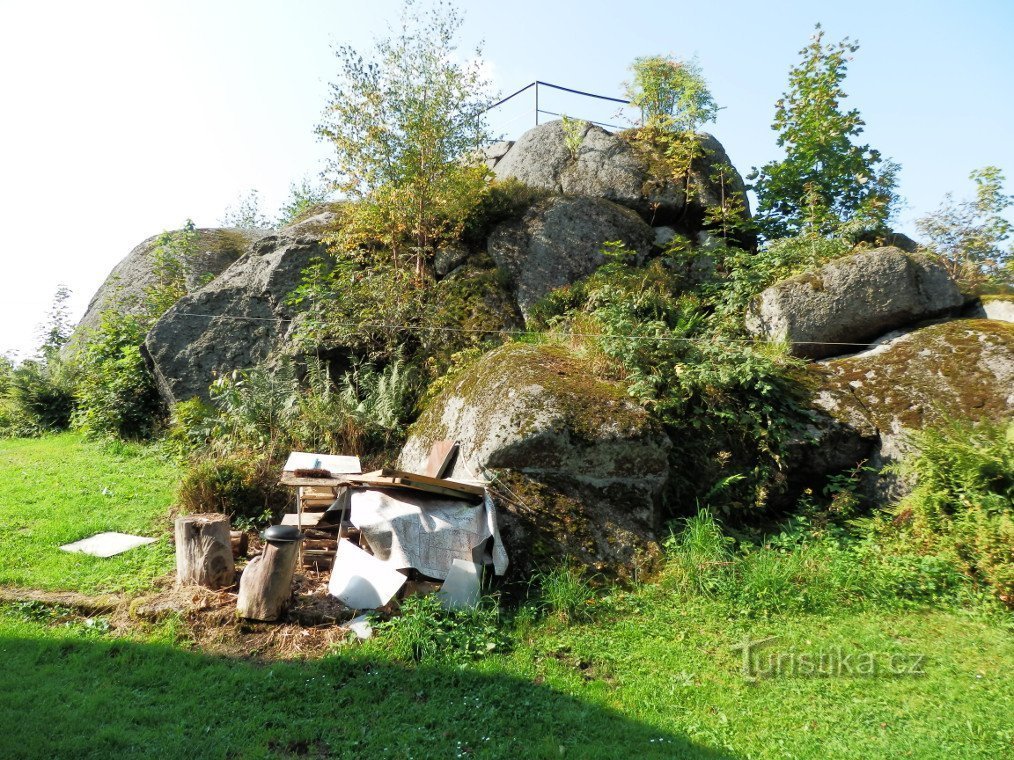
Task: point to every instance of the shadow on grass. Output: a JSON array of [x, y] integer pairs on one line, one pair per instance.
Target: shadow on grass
[[98, 698]]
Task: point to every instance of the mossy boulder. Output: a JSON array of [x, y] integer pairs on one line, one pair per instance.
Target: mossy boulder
[[124, 288], [1000, 307], [869, 402], [581, 466], [853, 300]]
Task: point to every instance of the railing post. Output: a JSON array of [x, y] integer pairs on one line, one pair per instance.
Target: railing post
[[536, 102]]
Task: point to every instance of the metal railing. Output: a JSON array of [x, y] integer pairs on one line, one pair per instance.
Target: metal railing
[[538, 110]]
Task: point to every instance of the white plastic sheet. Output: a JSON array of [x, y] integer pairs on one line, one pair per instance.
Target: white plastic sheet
[[360, 580], [424, 532], [107, 544]]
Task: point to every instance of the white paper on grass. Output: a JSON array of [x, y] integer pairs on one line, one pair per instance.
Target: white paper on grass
[[107, 544], [461, 587], [425, 532], [360, 580], [336, 465]]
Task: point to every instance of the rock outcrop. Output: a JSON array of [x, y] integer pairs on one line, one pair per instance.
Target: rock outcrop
[[869, 402], [601, 164], [125, 286], [237, 320], [853, 300], [559, 240], [582, 467]]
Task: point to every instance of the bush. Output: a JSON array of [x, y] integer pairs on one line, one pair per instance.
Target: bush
[[962, 502], [40, 397], [116, 394], [498, 202], [245, 487]]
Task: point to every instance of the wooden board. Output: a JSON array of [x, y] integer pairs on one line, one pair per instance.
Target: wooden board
[[336, 465], [415, 479], [288, 479], [396, 483], [440, 456]]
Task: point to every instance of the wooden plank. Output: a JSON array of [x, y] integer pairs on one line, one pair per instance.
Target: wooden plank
[[336, 465], [440, 456], [400, 483], [415, 479], [310, 519], [288, 479]]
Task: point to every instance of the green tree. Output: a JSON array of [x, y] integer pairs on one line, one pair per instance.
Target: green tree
[[246, 213], [972, 236], [671, 93], [302, 198], [826, 183], [55, 332], [400, 120]]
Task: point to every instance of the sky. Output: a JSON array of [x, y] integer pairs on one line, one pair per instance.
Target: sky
[[119, 120]]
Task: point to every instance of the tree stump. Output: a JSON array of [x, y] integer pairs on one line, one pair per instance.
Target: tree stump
[[204, 551], [266, 583]]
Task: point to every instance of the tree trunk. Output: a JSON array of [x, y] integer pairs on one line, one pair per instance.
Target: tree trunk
[[266, 583], [204, 551]]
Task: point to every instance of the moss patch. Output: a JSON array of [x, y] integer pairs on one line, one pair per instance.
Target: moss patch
[[947, 370]]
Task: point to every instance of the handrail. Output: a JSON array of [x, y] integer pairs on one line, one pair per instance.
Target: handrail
[[538, 82]]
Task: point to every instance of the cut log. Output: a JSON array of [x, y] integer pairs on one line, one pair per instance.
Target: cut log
[[204, 551], [240, 543], [266, 584]]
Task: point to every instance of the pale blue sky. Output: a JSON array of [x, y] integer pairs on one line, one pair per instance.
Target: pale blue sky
[[121, 119]]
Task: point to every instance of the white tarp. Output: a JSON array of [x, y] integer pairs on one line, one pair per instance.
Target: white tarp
[[360, 580], [407, 530], [461, 587]]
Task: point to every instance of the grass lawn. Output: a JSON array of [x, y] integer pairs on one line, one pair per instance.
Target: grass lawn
[[61, 488], [655, 675]]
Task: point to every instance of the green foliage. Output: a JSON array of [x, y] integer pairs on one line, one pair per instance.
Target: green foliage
[[566, 594], [302, 198], [425, 632], [573, 134], [399, 121], [245, 487], [747, 273], [41, 397], [826, 184], [499, 201], [247, 213], [732, 405], [116, 394], [962, 502], [972, 235], [671, 93], [57, 329]]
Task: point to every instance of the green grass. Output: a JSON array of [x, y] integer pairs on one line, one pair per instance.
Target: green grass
[[61, 488], [652, 672], [661, 679]]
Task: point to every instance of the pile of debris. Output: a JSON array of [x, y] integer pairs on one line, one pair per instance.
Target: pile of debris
[[378, 534]]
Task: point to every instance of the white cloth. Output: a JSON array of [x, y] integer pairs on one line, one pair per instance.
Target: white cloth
[[426, 532]]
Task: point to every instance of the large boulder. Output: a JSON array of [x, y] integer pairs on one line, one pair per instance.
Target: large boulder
[[868, 403], [581, 466], [850, 301], [124, 288], [236, 321], [601, 164], [559, 240]]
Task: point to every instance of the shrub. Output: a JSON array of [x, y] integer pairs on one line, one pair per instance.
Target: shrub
[[116, 394], [241, 485], [499, 201], [962, 501], [40, 396]]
